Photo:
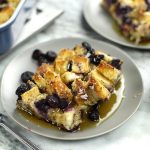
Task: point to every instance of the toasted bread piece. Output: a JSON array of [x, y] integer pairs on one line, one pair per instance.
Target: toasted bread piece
[[98, 90], [80, 94], [68, 119], [80, 64], [54, 84], [65, 54], [68, 77], [29, 98], [44, 68], [61, 66], [79, 50], [109, 72], [104, 81], [30, 95], [39, 80]]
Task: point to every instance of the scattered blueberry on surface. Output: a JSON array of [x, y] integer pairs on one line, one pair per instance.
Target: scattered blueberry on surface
[[95, 59], [22, 89], [36, 54], [51, 55], [26, 76]]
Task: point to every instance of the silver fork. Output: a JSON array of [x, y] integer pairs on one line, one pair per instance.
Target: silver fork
[[12, 131]]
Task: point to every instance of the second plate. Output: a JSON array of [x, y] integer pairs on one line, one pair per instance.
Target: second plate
[[102, 23]]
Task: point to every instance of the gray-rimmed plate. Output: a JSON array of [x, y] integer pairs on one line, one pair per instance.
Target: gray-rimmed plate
[[102, 23], [133, 89]]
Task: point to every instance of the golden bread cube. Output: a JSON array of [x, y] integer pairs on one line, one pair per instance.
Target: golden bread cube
[[80, 64], [68, 77], [61, 66], [109, 72]]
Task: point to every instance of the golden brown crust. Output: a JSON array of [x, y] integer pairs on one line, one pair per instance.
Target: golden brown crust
[[65, 54], [61, 66], [79, 50], [98, 88], [109, 72], [44, 68], [80, 64]]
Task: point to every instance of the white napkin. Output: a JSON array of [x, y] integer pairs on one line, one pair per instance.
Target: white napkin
[[41, 16]]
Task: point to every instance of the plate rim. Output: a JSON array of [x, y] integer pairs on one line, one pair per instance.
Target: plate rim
[[121, 43], [72, 138]]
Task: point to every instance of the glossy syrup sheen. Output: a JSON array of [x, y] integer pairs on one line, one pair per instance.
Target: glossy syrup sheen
[[117, 29], [106, 109]]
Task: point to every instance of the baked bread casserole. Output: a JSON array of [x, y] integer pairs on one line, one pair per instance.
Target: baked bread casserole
[[7, 8], [69, 84], [132, 17]]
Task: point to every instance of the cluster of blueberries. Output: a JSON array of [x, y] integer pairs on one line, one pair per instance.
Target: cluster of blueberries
[[49, 57]]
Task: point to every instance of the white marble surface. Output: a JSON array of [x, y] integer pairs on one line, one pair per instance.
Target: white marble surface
[[134, 134]]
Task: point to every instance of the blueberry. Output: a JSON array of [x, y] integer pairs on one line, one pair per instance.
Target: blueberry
[[42, 105], [148, 4], [63, 104], [93, 115], [22, 89], [69, 67], [116, 63], [26, 76], [123, 10], [36, 54], [51, 55], [109, 2], [95, 59], [126, 20], [3, 1], [53, 101], [88, 47], [95, 106], [42, 59]]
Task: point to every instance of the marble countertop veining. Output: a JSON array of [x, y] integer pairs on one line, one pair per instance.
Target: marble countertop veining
[[134, 134]]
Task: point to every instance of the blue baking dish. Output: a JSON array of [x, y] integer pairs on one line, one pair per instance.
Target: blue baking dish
[[9, 31]]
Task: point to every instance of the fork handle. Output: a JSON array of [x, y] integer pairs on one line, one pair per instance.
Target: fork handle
[[22, 139]]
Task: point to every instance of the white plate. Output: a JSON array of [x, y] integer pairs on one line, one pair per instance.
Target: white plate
[[102, 23], [24, 62]]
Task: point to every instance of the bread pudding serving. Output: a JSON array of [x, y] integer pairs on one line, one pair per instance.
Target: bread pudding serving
[[132, 17], [69, 85], [7, 7]]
